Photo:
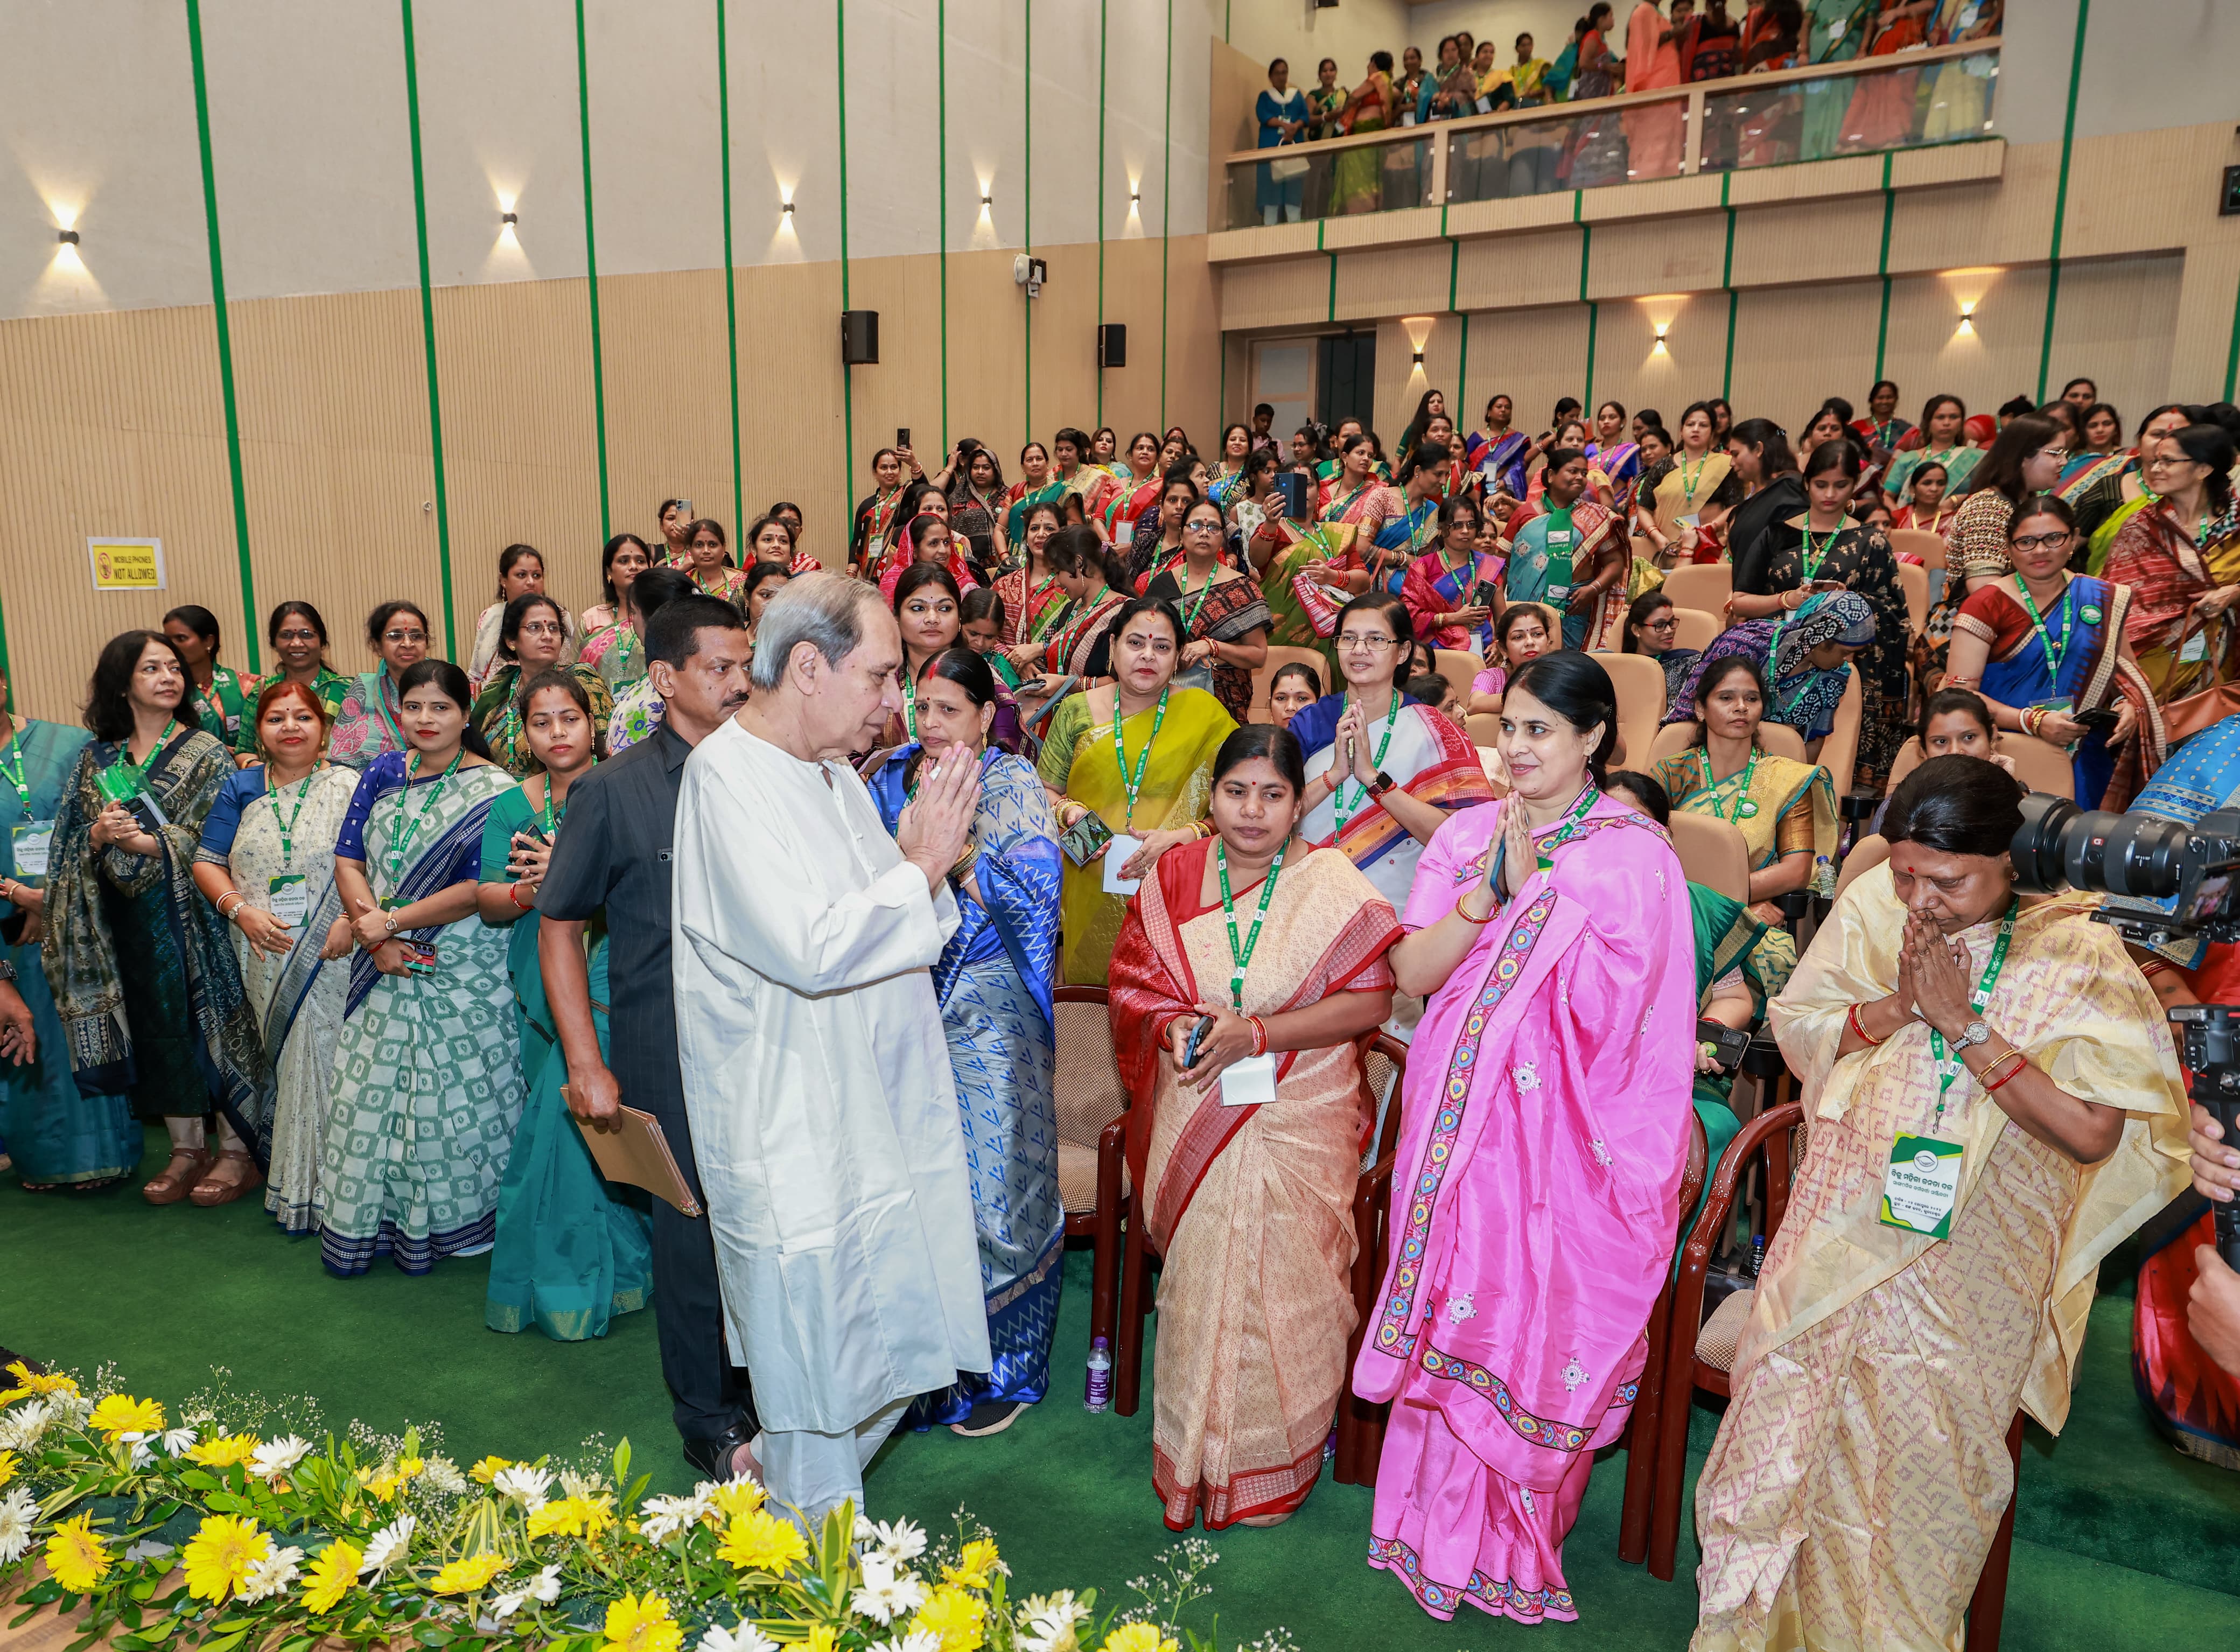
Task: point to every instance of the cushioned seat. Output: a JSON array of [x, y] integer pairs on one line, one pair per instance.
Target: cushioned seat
[[1715, 1343]]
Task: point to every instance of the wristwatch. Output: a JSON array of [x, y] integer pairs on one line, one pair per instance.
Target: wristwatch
[[1383, 783], [1975, 1034], [7, 970], [389, 923]]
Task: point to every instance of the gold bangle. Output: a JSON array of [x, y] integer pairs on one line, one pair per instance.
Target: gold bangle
[[2012, 1055]]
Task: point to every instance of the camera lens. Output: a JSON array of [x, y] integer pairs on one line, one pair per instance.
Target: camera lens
[[2036, 848], [2134, 855]]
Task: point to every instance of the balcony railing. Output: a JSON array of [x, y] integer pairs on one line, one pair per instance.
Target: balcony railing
[[1940, 95]]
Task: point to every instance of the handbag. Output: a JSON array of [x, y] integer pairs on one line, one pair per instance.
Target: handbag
[[1314, 602], [2183, 719]]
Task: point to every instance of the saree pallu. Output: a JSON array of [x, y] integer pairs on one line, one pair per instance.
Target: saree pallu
[[370, 722], [1077, 761], [1797, 692], [993, 982], [1499, 459], [616, 653], [1791, 805], [874, 521], [1879, 1369], [1250, 1206], [1685, 489], [1432, 588], [427, 1080], [1300, 549], [1122, 502], [2159, 561], [1231, 611], [57, 1135], [1029, 607], [297, 1000], [2089, 470], [1532, 559], [1073, 640], [1959, 465], [497, 714], [1545, 1121], [1429, 758], [1861, 559], [1356, 183], [227, 704], [141, 966]]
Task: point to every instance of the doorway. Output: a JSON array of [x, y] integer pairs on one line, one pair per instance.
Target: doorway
[[1347, 379]]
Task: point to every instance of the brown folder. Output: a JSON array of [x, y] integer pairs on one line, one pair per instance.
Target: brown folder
[[638, 1154]]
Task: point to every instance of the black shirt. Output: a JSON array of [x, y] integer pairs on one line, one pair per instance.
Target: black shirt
[[616, 852]]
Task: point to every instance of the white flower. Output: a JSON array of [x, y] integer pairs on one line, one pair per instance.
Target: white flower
[[1046, 1622], [582, 1485], [277, 1456], [272, 1575], [143, 1455], [147, 1548], [865, 1531], [744, 1638], [18, 1511], [544, 1588], [444, 1474], [885, 1594], [899, 1539], [20, 1427], [915, 1641], [175, 1441], [525, 1485], [500, 1609], [386, 1546], [666, 1516]]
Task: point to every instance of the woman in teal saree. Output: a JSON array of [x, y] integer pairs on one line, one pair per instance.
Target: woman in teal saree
[[573, 1249]]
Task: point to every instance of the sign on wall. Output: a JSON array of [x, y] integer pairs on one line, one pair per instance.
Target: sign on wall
[[126, 564]]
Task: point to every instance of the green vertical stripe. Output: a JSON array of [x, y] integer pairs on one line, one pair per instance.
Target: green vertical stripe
[[1727, 280], [1594, 309], [2061, 198], [1332, 257], [591, 269], [731, 265], [224, 333], [2232, 352], [428, 329], [1166, 208], [847, 373], [1103, 39], [1882, 268], [940, 160], [1454, 264], [8, 699], [1462, 375]]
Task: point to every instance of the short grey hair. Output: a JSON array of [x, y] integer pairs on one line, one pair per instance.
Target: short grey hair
[[821, 608]]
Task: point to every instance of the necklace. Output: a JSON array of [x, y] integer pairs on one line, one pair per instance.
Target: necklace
[[1746, 805], [1346, 811], [2054, 651], [1133, 784], [407, 825], [1241, 956]]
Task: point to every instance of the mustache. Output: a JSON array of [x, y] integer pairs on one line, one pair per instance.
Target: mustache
[[735, 699]]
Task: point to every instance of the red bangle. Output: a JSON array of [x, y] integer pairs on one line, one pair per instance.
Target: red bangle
[[1259, 1036], [2152, 967], [1859, 1025], [2011, 1073], [514, 894]]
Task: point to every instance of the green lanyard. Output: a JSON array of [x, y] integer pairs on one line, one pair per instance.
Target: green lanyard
[[288, 826], [1133, 784], [1569, 828], [15, 776], [549, 815], [909, 706], [1688, 483], [407, 825], [2054, 652], [1190, 613], [1745, 806], [1947, 1066], [1241, 956], [1339, 807], [137, 772], [1812, 562]]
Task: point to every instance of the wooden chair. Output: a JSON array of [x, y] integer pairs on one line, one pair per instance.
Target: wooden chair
[[1921, 542], [1705, 586], [1361, 1425], [1459, 667], [1676, 737], [1639, 681], [1092, 1108], [1915, 581], [1711, 853], [1643, 1428], [1278, 657], [1867, 854], [1695, 629]]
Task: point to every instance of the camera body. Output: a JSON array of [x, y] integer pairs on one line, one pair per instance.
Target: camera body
[[2164, 881]]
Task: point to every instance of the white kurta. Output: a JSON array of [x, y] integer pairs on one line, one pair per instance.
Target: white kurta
[[816, 1078]]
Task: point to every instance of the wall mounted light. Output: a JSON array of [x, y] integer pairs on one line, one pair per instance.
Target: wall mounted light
[[1135, 197], [1967, 317], [67, 237], [508, 218], [1419, 358], [1658, 348], [987, 200], [788, 209]]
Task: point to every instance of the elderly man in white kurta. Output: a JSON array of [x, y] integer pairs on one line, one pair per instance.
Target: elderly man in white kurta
[[817, 1073]]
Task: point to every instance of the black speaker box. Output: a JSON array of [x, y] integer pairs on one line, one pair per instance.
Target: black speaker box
[[1112, 344], [859, 338]]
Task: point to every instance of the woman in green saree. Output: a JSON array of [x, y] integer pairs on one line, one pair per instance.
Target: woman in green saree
[[143, 970], [532, 637], [221, 696], [573, 1249], [298, 636]]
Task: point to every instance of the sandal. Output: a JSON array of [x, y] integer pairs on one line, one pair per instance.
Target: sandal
[[185, 1165], [210, 1192]]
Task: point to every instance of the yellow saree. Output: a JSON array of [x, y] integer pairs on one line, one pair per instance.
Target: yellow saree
[[1861, 1471], [1077, 759]]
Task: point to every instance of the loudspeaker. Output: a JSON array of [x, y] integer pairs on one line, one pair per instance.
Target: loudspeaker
[[859, 338], [1112, 344]]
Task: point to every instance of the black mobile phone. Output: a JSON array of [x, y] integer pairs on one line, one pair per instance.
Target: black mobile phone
[[1197, 1038], [1733, 1042], [1483, 596], [902, 435], [1293, 485], [2099, 719]]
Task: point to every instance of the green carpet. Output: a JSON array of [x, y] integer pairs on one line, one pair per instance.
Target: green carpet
[[2126, 1545]]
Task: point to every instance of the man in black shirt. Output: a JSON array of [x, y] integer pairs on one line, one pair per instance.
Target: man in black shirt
[[615, 854]]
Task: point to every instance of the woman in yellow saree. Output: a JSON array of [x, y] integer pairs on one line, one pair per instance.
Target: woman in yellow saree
[[1137, 753], [1996, 1104]]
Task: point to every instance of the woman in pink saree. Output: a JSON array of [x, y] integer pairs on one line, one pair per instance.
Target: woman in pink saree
[[1545, 1129]]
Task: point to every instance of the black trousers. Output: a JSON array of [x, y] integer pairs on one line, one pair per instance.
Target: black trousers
[[708, 1394]]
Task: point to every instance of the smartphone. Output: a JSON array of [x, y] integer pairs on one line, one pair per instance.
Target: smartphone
[[1482, 596], [1293, 485], [1086, 839], [2099, 720], [1733, 1042], [685, 509], [1197, 1038], [902, 435]]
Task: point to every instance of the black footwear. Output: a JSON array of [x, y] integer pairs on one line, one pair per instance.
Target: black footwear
[[989, 1416], [713, 1456]]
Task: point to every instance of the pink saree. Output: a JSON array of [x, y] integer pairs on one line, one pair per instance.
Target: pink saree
[[1544, 1127]]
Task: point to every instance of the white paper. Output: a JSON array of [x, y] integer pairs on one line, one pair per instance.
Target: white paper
[[289, 897], [1250, 1082], [32, 844], [1115, 856], [1485, 106]]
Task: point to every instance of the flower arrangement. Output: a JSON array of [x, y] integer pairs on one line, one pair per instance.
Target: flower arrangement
[[165, 1534]]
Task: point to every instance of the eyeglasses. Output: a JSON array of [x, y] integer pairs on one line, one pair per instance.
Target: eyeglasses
[[2035, 542], [404, 636], [296, 637], [1201, 526], [1669, 623], [1364, 640], [2058, 454], [540, 628]]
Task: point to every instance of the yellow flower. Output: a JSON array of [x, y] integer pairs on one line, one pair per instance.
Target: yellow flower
[[409, 1467], [978, 1561], [641, 1624], [955, 1617], [571, 1517], [331, 1577], [734, 1498], [762, 1543], [487, 1470], [385, 1487], [218, 1555], [223, 1452], [465, 1576], [7, 1467], [76, 1556], [1139, 1637], [822, 1637], [30, 1382], [118, 1414]]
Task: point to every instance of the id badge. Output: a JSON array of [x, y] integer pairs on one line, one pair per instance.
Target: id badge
[[1250, 1082], [119, 783], [1692, 519], [289, 894], [1921, 1185], [1557, 595], [33, 846], [2194, 649], [1559, 539], [1115, 856], [1485, 106]]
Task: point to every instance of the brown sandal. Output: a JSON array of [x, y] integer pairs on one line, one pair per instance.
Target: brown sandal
[[210, 1194], [172, 1187]]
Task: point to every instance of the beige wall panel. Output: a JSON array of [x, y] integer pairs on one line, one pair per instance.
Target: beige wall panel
[[1294, 294], [1410, 280], [2114, 323], [113, 426], [1630, 368], [1794, 346], [2007, 222], [1064, 385], [1229, 126], [987, 353], [1656, 197], [1525, 268], [1664, 256], [1773, 185], [1809, 241], [332, 394], [1401, 383], [1532, 356], [1268, 241], [2151, 184], [1399, 228], [1929, 355], [904, 389], [667, 353], [790, 401], [2204, 313], [521, 459], [1194, 387], [1502, 218], [1948, 163], [1131, 394]]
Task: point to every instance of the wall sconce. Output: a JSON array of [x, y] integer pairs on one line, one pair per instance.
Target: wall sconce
[[1419, 358], [508, 218], [1967, 317], [1135, 197], [788, 208], [67, 237], [1659, 349]]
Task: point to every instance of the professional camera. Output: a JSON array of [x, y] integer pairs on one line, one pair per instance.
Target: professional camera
[[2165, 882]]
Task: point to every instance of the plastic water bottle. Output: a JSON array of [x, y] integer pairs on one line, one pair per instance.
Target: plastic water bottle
[[1757, 1253], [1099, 1394]]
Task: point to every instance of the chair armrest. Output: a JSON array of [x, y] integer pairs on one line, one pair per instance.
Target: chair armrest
[[1718, 1209], [1858, 804]]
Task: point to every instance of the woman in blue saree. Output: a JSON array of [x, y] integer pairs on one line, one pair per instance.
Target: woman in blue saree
[[1282, 113], [58, 1137], [573, 1249], [994, 981], [1498, 452]]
